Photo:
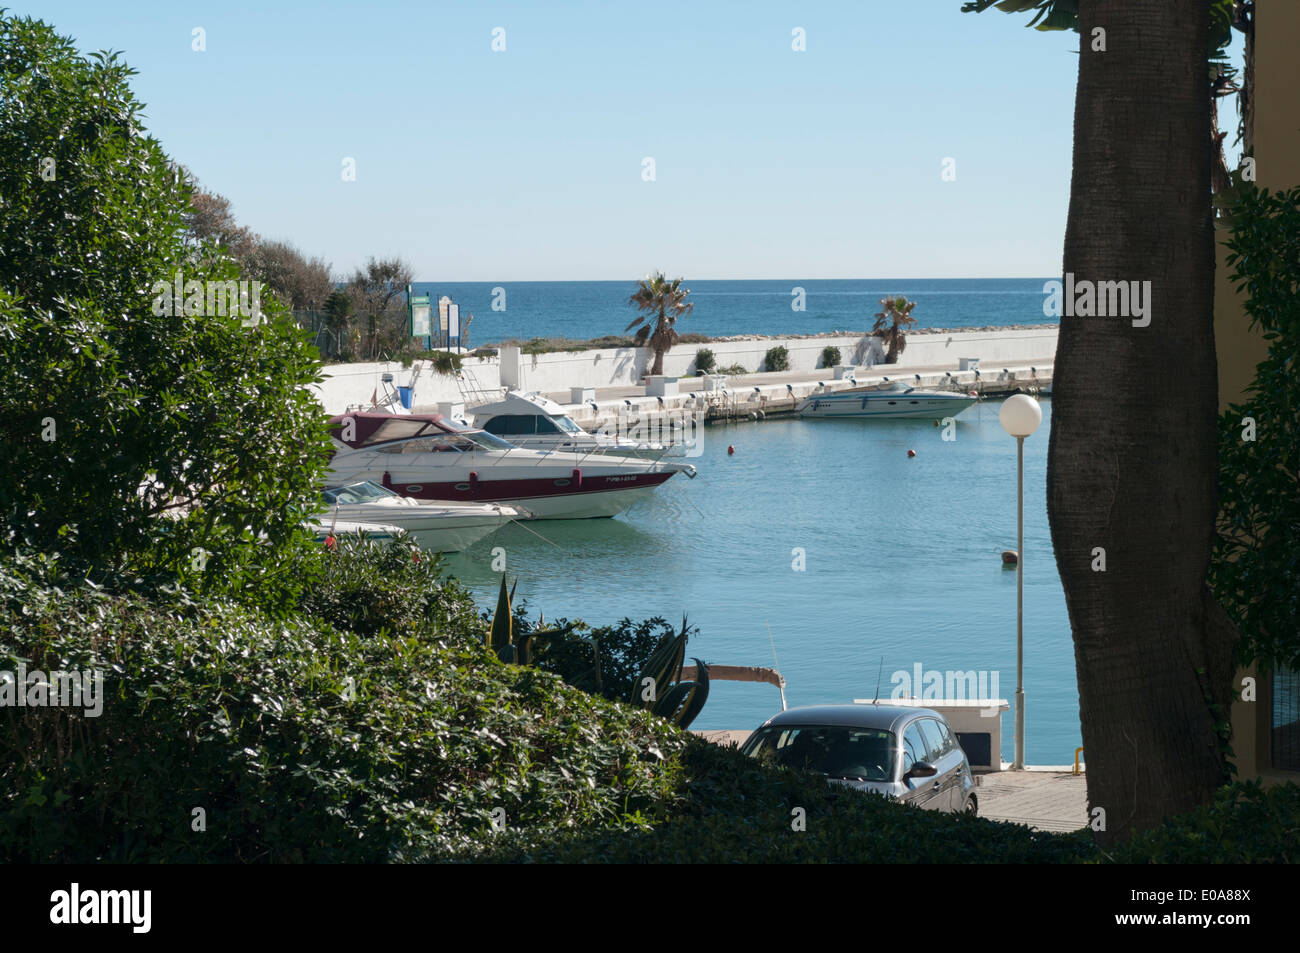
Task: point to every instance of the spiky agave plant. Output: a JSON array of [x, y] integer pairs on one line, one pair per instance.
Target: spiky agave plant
[[501, 634], [659, 686]]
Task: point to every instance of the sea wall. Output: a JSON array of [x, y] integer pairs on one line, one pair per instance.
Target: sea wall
[[348, 386], [627, 366]]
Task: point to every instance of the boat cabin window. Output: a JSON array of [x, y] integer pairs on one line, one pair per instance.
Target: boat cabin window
[[443, 443], [511, 425]]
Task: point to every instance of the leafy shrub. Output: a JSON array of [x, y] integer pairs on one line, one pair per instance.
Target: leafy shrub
[[300, 742], [705, 362], [734, 810], [1244, 824], [733, 369], [445, 362], [1259, 519], [830, 356], [115, 415], [372, 587], [777, 359]]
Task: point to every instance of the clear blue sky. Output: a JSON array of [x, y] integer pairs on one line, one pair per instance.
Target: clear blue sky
[[526, 164]]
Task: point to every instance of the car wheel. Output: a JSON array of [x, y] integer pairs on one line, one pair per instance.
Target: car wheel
[[971, 808]]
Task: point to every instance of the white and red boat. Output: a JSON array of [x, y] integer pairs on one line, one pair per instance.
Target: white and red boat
[[427, 457]]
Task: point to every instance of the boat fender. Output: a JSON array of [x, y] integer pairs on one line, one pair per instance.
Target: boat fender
[[387, 480], [473, 480], [577, 476]]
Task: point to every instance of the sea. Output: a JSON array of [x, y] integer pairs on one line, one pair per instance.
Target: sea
[[579, 310], [820, 547]]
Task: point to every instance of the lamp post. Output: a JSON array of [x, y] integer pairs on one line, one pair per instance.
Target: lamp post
[[1020, 416]]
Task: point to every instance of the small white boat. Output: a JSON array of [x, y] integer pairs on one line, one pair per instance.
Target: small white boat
[[889, 399], [436, 525], [539, 423]]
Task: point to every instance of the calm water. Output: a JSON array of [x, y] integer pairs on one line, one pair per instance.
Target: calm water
[[586, 309], [902, 561]]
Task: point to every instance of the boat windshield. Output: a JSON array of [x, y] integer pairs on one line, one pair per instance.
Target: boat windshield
[[459, 442], [364, 492], [565, 423], [858, 754]]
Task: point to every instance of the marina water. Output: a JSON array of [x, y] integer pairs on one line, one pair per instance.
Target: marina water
[[901, 556]]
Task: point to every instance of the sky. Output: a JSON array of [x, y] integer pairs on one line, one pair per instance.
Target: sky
[[528, 163]]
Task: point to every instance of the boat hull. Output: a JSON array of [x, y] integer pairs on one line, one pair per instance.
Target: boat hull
[[575, 496], [435, 529]]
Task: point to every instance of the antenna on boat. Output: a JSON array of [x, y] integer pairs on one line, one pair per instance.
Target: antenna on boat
[[876, 700], [775, 664]]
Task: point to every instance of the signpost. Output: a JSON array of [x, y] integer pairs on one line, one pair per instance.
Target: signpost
[[420, 313], [453, 325]]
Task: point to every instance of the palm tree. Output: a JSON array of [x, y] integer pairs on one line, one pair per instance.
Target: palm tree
[[1132, 454], [663, 301], [891, 324]]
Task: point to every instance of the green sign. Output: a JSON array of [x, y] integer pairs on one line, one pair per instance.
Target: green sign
[[420, 312]]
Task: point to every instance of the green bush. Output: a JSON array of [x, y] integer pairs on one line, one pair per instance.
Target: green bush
[[373, 587], [122, 410], [733, 810], [298, 741], [1254, 559], [733, 369], [445, 362], [705, 362], [777, 359], [830, 356], [1244, 824]]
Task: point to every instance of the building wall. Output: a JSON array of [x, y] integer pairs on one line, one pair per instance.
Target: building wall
[[347, 386]]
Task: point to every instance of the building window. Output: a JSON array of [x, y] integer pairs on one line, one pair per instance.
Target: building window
[[1284, 724]]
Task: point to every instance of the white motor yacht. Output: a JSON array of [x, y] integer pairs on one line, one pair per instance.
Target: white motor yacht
[[539, 423], [426, 457], [888, 399]]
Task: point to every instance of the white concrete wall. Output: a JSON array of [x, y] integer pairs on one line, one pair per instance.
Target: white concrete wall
[[349, 385], [626, 366]]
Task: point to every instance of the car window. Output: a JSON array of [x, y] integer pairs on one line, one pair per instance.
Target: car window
[[948, 741], [865, 754], [935, 747], [913, 747]]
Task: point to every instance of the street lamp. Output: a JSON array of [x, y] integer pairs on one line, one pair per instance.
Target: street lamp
[[1020, 416]]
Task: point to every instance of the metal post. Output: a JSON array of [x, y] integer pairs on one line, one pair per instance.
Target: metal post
[[1019, 764]]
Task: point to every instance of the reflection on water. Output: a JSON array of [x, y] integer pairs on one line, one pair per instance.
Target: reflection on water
[[827, 533]]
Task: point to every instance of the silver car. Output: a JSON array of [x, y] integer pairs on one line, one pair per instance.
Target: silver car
[[909, 754]]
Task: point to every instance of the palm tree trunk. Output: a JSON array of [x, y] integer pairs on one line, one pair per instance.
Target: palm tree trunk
[[1132, 461]]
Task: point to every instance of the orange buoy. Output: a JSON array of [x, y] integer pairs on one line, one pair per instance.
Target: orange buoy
[[1010, 557], [731, 449], [911, 453]]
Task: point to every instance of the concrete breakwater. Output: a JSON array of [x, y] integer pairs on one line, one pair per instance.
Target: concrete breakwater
[[349, 386]]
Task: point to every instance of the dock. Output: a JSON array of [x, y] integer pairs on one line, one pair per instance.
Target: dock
[[763, 396]]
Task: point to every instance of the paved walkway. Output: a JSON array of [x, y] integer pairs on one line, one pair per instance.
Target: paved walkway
[[1045, 800]]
